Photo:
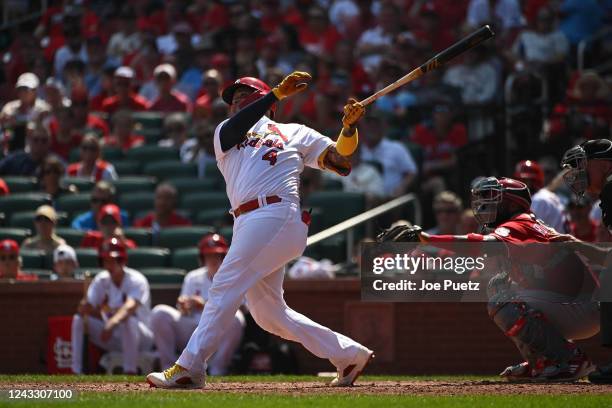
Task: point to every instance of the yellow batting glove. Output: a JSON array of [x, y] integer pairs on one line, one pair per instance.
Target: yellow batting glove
[[353, 111], [292, 84]]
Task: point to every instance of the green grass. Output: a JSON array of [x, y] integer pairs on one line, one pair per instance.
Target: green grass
[[167, 399]]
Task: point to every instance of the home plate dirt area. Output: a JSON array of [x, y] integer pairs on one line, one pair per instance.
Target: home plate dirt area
[[365, 387]]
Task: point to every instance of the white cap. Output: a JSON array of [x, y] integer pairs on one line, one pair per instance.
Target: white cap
[[124, 72], [63, 253], [165, 68], [27, 80]]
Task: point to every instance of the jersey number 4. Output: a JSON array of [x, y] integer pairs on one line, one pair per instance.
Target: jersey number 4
[[270, 156]]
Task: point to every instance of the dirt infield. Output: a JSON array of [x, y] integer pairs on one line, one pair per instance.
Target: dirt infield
[[364, 387]]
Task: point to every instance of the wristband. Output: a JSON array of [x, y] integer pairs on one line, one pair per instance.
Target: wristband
[[346, 145]]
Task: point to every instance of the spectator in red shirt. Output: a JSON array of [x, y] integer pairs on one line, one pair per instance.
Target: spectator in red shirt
[[211, 86], [168, 99], [10, 262], [106, 91], [109, 220], [83, 121], [91, 165], [439, 140], [431, 33], [318, 37], [125, 97], [123, 136], [165, 214], [64, 136], [4, 188]]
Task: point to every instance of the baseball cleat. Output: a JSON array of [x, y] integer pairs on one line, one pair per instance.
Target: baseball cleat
[[347, 376], [518, 372], [578, 367], [603, 375], [176, 377]]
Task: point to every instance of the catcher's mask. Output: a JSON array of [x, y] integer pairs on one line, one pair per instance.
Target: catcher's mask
[[574, 163], [490, 195]]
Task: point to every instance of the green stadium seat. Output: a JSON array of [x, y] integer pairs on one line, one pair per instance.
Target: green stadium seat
[[127, 167], [73, 237], [20, 184], [148, 154], [23, 202], [74, 155], [148, 120], [138, 201], [43, 274], [214, 217], [164, 275], [187, 185], [196, 202], [212, 171], [186, 258], [227, 233], [336, 206], [182, 237], [148, 257], [93, 271], [83, 184], [74, 204], [141, 236], [33, 258], [131, 184], [17, 234], [88, 257], [332, 184], [152, 135], [165, 169], [110, 153], [22, 219]]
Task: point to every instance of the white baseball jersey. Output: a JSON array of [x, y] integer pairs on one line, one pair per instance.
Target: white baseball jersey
[[134, 285], [269, 161], [197, 282], [547, 206]]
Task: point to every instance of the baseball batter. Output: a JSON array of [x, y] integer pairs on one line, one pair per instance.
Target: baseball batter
[[261, 161], [173, 327], [544, 297], [117, 306]]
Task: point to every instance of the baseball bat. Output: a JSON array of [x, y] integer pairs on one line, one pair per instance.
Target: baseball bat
[[461, 46]]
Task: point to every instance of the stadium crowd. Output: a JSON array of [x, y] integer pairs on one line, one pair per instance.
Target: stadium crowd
[[108, 110]]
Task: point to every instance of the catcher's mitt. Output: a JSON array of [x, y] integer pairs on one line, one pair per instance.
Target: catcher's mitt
[[400, 233]]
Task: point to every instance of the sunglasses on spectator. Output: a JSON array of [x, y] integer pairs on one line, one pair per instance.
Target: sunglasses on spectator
[[4, 258], [42, 218], [96, 200]]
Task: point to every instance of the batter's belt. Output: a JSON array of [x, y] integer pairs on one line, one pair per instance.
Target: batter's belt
[[254, 204]]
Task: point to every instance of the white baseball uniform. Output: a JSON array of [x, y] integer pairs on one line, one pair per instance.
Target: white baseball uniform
[[547, 206], [172, 328], [268, 162], [130, 336]]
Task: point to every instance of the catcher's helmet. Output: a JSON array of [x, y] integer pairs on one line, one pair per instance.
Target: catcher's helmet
[[528, 171], [112, 248], [213, 244], [488, 194]]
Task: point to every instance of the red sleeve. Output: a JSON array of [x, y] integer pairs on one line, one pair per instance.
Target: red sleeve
[[420, 135], [73, 169], [97, 123], [92, 239], [144, 222], [458, 135], [4, 189]]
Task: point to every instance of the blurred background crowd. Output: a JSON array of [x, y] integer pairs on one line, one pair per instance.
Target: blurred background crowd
[[108, 110]]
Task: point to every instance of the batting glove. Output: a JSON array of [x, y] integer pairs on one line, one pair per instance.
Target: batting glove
[[292, 84], [353, 111]]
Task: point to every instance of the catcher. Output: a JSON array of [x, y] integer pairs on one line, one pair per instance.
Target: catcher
[[540, 312]]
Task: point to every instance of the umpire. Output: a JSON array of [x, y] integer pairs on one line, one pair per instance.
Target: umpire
[[589, 169]]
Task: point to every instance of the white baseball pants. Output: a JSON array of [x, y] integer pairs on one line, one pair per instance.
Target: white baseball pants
[[264, 240], [129, 337], [173, 329]]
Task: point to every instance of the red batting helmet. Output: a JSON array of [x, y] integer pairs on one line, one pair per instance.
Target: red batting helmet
[[112, 248], [489, 193], [528, 171], [213, 244], [259, 87]]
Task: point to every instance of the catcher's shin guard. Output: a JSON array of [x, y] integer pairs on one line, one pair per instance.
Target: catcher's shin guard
[[534, 336]]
